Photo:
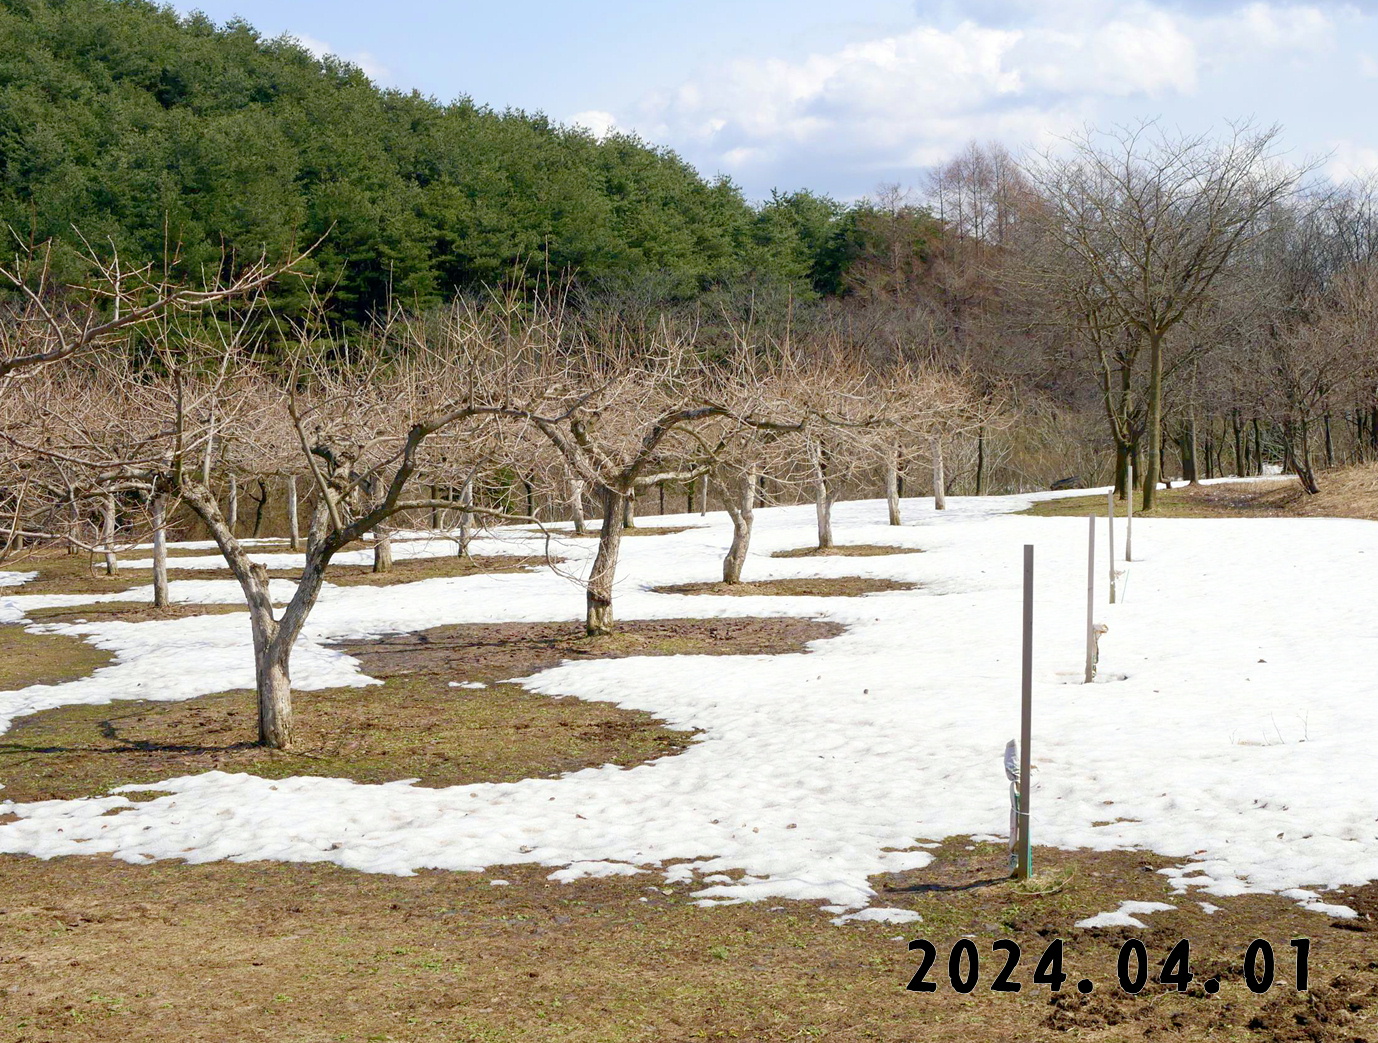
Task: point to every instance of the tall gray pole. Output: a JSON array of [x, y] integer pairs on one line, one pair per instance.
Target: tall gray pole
[[1090, 598], [1025, 848], [1129, 516], [1110, 543]]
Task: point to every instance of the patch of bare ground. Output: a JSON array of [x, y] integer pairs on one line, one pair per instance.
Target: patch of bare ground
[[62, 573], [229, 951], [409, 570], [126, 612], [414, 725], [27, 658], [636, 530], [847, 550], [1346, 492], [809, 586]]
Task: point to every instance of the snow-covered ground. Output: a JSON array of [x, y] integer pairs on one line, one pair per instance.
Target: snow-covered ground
[[1233, 730]]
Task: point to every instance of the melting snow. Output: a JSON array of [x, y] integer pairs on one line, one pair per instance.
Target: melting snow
[[815, 772]]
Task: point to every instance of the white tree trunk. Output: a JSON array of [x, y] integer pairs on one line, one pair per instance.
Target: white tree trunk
[[160, 594], [232, 518], [466, 518], [576, 505], [273, 674], [740, 510], [822, 498], [112, 563], [939, 490], [293, 525], [892, 484], [382, 548]]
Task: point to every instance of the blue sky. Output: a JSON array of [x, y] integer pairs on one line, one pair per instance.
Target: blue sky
[[841, 97]]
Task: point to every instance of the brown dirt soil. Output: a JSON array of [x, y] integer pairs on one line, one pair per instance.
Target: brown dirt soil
[[413, 726], [636, 530], [1348, 492], [825, 587], [62, 573], [95, 950], [27, 658], [847, 550], [409, 570], [126, 612]]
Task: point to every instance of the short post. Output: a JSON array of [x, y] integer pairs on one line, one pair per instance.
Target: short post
[[1110, 543], [1024, 847], [1090, 599], [1129, 516]]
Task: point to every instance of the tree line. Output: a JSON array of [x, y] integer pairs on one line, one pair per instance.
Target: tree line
[[176, 140]]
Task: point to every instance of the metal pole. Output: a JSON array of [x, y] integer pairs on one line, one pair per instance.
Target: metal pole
[[1110, 543], [1129, 516], [1025, 851], [1090, 598]]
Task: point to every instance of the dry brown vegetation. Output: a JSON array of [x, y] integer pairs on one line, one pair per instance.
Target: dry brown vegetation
[[96, 950], [847, 550], [414, 725], [1345, 492], [803, 587]]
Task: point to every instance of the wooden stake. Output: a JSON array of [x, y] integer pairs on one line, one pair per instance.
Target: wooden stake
[[1024, 849]]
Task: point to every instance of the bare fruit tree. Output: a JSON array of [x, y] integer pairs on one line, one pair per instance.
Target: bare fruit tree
[[624, 414], [371, 428], [1141, 223]]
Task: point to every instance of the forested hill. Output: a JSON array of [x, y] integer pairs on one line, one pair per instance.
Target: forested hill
[[137, 126]]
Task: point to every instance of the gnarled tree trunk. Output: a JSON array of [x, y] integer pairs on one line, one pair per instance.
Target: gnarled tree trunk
[[739, 501], [273, 638], [576, 504], [466, 518], [822, 497], [939, 481], [112, 563], [293, 524], [892, 484], [599, 619], [159, 509], [382, 548]]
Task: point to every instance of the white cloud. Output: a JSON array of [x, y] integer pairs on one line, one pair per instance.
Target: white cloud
[[598, 123], [1349, 159], [371, 66], [912, 98]]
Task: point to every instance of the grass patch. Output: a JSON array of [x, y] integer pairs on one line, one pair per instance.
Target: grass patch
[[126, 612], [636, 530], [1347, 492], [315, 952], [414, 725], [847, 550], [27, 658], [816, 586], [409, 570], [63, 573]]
